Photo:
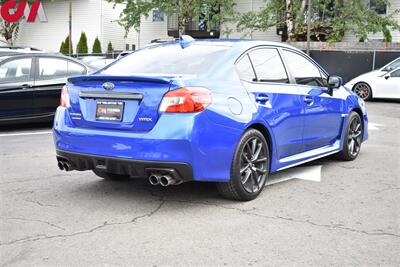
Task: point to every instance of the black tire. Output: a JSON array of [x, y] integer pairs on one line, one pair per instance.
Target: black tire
[[248, 175], [352, 139], [111, 176], [363, 90]]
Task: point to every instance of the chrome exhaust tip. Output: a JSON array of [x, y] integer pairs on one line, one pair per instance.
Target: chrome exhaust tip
[[154, 179], [66, 166], [60, 165], [167, 180]]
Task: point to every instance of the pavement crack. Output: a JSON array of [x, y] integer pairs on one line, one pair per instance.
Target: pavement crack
[[105, 224], [251, 212], [39, 203], [39, 221]]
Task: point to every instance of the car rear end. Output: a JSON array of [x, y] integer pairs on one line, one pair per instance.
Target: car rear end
[[134, 124]]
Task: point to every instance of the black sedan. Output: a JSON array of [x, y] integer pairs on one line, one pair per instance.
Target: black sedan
[[30, 85]]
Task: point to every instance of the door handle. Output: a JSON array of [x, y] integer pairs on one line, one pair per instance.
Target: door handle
[[262, 98], [308, 100]]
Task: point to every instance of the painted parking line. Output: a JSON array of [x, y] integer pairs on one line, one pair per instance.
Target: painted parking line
[[374, 126], [311, 173], [26, 133]]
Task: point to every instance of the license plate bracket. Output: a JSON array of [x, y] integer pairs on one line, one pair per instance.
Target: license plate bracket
[[109, 110]]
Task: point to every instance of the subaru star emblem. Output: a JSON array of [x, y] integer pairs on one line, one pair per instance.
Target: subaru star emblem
[[108, 86]]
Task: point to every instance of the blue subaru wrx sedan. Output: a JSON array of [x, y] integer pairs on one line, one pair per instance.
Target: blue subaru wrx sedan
[[226, 111]]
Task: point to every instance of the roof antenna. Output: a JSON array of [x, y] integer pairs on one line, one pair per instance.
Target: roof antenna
[[185, 41]]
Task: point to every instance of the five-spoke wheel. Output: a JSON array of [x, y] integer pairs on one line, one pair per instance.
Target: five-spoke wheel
[[253, 167], [353, 138], [250, 167]]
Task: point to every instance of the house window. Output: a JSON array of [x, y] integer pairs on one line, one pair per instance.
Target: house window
[[158, 15], [378, 6]]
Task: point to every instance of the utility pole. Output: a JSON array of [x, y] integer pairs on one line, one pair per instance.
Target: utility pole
[[70, 29], [309, 7]]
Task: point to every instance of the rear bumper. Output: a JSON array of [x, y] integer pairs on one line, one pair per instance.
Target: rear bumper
[[190, 143], [133, 168]]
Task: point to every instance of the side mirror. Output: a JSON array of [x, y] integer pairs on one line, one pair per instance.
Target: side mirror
[[387, 77], [334, 82]]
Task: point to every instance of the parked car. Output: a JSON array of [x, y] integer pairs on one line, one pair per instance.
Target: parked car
[[101, 63], [381, 83], [30, 85], [225, 111], [9, 50], [124, 53], [90, 59]]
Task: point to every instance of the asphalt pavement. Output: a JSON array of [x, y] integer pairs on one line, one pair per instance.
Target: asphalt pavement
[[326, 212]]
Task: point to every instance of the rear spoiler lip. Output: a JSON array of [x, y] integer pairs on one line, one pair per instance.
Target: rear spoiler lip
[[107, 78]]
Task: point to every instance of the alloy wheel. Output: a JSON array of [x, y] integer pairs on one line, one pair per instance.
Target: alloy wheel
[[354, 137], [253, 166], [362, 90]]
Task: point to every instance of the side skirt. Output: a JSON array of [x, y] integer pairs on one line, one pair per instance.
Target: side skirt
[[308, 156]]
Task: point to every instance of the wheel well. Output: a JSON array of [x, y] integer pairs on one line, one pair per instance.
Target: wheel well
[[265, 133], [359, 112]]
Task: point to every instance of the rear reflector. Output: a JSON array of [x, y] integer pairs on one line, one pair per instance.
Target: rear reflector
[[186, 100], [64, 99]]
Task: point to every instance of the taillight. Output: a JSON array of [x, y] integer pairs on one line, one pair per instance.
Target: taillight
[[186, 100], [64, 99]]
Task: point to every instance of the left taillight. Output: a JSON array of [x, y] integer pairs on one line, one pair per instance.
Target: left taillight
[[64, 99]]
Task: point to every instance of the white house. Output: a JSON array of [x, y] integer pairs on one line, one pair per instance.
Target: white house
[[97, 18]]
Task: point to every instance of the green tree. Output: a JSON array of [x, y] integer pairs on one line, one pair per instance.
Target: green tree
[[66, 46], [110, 48], [97, 46], [82, 46], [62, 47], [219, 11], [330, 19]]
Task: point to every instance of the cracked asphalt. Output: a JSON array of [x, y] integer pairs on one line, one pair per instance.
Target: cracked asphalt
[[53, 218]]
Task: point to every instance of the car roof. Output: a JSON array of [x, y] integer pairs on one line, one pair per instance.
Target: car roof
[[58, 55]]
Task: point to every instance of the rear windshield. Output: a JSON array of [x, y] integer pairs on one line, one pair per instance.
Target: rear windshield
[[169, 59]]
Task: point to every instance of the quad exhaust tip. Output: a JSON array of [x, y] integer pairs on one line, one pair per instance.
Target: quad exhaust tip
[[64, 165], [163, 180]]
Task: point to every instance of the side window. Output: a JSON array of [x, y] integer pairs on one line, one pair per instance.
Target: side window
[[395, 73], [304, 71], [268, 66], [75, 69], [245, 69], [16, 70], [56, 68], [393, 65]]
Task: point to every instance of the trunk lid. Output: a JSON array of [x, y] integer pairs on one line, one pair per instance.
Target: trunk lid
[[135, 98]]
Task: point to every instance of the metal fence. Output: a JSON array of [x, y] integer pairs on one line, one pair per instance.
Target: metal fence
[[349, 59], [350, 64]]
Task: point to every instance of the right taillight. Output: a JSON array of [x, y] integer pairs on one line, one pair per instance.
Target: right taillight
[[64, 99], [186, 100]]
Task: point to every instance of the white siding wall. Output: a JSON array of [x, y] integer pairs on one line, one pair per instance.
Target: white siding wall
[[97, 18], [48, 36], [150, 30], [112, 31], [246, 6]]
